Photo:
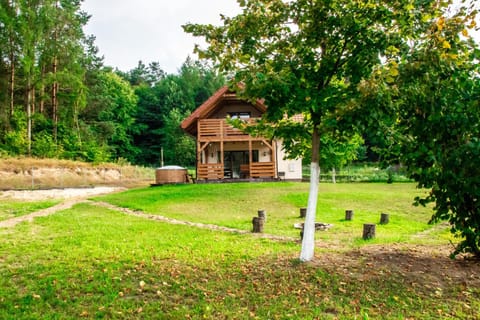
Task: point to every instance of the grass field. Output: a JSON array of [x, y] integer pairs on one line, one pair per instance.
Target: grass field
[[93, 263], [234, 205]]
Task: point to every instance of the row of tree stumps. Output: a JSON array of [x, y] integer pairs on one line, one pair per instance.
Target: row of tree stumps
[[369, 229]]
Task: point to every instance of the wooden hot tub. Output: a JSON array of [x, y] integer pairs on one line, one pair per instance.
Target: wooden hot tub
[[171, 174]]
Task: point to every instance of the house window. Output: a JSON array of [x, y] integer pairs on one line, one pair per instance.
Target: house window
[[255, 156], [239, 115]]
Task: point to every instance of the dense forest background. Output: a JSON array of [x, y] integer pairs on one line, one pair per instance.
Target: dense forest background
[[58, 99]]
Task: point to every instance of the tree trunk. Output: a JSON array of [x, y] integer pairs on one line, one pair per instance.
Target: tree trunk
[[308, 241], [12, 77], [41, 107], [55, 100], [29, 115], [334, 176]]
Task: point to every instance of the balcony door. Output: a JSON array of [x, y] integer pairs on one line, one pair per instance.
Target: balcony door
[[234, 160]]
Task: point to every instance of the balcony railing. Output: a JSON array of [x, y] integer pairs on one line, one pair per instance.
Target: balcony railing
[[219, 129], [215, 171]]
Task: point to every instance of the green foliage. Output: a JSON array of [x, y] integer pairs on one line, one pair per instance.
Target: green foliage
[[163, 104], [58, 100], [44, 146], [178, 148], [432, 101]]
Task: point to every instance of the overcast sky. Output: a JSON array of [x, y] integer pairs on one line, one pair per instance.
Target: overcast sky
[[127, 31], [150, 30]]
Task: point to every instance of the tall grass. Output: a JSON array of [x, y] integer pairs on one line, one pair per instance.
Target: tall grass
[[32, 173]]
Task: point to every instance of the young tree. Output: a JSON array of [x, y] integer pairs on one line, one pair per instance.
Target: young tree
[[337, 151], [308, 57]]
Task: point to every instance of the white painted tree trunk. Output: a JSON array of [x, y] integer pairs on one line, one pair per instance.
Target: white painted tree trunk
[[308, 242], [334, 175]]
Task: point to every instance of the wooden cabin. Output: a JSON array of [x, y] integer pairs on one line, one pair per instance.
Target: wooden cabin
[[224, 152]]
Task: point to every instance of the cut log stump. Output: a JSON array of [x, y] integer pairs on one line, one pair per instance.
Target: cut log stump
[[368, 231], [262, 214], [349, 215], [258, 224], [384, 218], [303, 212]]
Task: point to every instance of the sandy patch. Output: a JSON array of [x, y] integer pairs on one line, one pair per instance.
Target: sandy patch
[[67, 193]]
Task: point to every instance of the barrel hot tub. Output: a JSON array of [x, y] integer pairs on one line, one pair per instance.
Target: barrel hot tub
[[171, 175]]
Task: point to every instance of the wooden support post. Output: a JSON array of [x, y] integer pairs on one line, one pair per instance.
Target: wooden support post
[[368, 231], [384, 218], [258, 224], [262, 214], [303, 212], [348, 215]]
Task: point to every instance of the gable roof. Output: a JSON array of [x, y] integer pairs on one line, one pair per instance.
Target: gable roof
[[210, 106]]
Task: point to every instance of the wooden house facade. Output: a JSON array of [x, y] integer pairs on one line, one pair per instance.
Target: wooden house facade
[[224, 152]]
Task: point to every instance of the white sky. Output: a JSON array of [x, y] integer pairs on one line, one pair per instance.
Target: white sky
[[127, 31]]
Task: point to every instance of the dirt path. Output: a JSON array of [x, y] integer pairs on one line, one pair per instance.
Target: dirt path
[[41, 213], [70, 197]]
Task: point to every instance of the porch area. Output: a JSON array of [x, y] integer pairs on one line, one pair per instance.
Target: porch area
[[224, 152]]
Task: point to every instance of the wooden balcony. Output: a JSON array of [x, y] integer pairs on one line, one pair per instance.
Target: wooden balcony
[[220, 130]]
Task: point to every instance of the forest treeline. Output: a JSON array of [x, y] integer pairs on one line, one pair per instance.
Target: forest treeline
[[58, 99]]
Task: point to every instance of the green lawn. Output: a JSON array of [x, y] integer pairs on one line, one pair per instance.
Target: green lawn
[[234, 205], [93, 263]]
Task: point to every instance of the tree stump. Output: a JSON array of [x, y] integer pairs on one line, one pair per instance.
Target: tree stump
[[258, 224], [384, 218], [262, 214], [368, 231], [303, 212], [348, 215]]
